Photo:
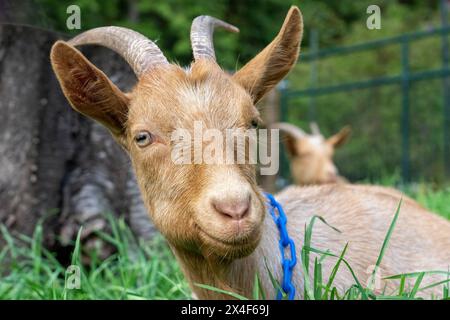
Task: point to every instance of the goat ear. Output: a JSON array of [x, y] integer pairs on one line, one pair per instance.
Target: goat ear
[[88, 89], [264, 71], [290, 143], [340, 138]]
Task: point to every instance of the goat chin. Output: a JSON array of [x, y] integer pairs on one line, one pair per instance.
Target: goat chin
[[362, 214]]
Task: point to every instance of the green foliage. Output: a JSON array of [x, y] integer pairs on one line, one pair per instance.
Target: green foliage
[[169, 22], [374, 149], [259, 21]]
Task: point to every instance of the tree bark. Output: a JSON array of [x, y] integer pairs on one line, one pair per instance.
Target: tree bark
[[56, 165]]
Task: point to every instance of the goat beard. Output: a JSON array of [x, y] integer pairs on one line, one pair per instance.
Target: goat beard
[[210, 269], [220, 274]]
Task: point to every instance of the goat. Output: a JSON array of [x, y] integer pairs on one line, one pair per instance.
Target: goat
[[213, 216], [311, 155]]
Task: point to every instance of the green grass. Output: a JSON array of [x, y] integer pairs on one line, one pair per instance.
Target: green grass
[[148, 270], [436, 200], [135, 271], [433, 197]]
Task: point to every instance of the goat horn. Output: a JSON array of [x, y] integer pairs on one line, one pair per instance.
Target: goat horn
[[202, 31], [315, 129], [140, 52], [294, 131]]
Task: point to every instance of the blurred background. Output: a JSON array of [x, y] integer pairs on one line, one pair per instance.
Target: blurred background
[[389, 84]]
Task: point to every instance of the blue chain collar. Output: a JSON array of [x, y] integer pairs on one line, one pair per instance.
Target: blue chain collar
[[285, 242]]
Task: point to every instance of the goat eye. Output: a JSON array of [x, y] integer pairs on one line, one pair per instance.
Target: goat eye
[[143, 139]]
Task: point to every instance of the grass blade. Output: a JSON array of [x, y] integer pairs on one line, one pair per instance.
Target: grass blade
[[384, 246], [335, 270], [416, 285]]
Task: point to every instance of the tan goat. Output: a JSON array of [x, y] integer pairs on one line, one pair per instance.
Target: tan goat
[[214, 216], [311, 155]]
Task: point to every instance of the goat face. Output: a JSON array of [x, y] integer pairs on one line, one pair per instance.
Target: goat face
[[216, 209], [313, 162], [311, 155]]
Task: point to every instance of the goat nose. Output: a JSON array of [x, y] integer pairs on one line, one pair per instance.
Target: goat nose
[[235, 209]]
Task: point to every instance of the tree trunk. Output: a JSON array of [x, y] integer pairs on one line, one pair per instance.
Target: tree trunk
[[56, 165]]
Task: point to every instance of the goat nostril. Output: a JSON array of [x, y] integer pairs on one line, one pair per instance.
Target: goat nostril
[[235, 209]]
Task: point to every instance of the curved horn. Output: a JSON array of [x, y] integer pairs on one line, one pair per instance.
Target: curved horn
[[140, 52], [294, 131], [202, 31], [315, 129]]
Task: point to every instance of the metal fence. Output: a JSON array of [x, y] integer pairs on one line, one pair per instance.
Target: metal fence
[[403, 79]]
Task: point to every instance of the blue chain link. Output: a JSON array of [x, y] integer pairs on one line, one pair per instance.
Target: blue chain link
[[285, 242]]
